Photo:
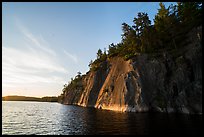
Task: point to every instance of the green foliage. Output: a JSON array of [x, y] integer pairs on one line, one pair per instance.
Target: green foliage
[[141, 22], [112, 50], [169, 29], [78, 75], [101, 56], [99, 53], [190, 11], [166, 35], [75, 83], [128, 56], [94, 66], [161, 17], [126, 30]]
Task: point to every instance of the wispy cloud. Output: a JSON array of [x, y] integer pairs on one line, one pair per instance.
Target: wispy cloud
[[27, 67], [36, 64], [39, 41], [32, 66], [71, 56]]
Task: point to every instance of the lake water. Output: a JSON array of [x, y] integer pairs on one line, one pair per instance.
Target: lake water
[[19, 117]]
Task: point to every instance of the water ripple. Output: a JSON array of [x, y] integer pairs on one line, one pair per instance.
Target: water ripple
[[43, 118]]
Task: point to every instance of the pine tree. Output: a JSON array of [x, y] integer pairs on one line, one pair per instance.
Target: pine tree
[[141, 22], [99, 53]]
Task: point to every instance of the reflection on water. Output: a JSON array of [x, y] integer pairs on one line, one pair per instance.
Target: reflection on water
[[54, 118]]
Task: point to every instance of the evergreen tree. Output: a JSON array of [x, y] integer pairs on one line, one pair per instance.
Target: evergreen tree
[[126, 30], [190, 13], [141, 22], [90, 63], [165, 22], [78, 74], [160, 18], [142, 27], [99, 53], [112, 50]]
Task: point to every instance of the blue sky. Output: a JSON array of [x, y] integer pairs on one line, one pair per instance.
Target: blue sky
[[46, 44]]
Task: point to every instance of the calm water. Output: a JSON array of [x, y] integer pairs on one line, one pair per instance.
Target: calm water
[[20, 117]]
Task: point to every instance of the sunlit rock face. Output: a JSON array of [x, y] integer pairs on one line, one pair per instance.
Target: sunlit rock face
[[121, 90], [163, 83]]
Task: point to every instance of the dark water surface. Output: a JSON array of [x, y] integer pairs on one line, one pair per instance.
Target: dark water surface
[[19, 117]]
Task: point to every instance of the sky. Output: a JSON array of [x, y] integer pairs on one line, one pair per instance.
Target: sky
[[45, 44]]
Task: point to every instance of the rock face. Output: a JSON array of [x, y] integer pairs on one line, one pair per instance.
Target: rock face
[[163, 83]]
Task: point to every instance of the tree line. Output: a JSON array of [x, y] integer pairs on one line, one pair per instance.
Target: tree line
[[24, 98], [167, 33]]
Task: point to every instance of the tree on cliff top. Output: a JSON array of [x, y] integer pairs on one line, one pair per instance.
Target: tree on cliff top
[[99, 53], [169, 29]]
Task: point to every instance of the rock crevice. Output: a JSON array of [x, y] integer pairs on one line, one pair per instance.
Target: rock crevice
[[144, 83]]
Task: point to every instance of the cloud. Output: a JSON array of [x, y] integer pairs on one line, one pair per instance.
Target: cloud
[[32, 66], [39, 41], [20, 66], [71, 56], [31, 63]]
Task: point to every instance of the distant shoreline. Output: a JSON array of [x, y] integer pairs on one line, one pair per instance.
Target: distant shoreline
[[30, 101], [25, 98]]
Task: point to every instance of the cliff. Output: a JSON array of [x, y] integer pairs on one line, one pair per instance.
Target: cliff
[[168, 81]]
